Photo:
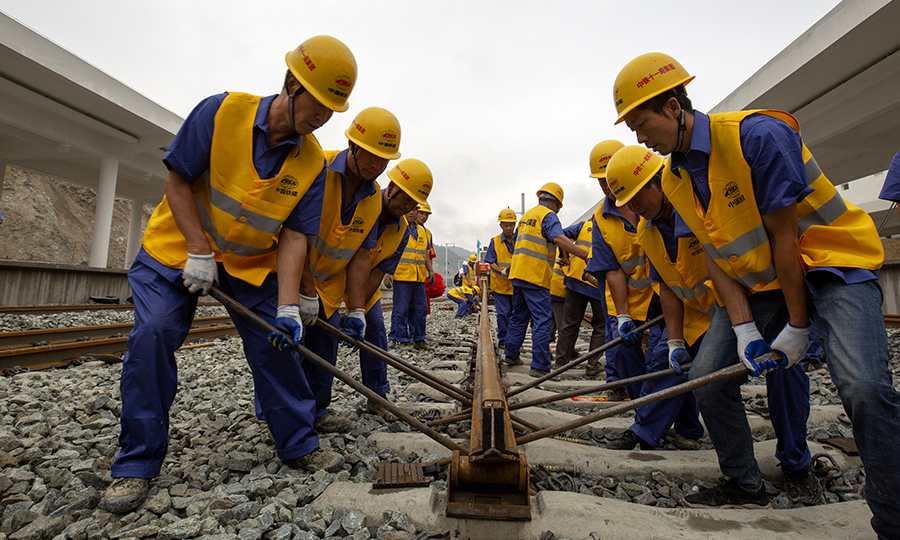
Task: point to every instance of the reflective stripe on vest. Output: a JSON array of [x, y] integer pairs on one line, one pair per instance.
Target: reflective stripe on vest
[[832, 231], [388, 243], [577, 266], [632, 260], [501, 284], [240, 212], [412, 262], [686, 278], [557, 282], [532, 258]]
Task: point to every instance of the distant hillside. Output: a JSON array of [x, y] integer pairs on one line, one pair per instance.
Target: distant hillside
[[51, 220]]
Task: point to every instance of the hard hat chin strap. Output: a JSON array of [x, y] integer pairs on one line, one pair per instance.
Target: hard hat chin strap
[[681, 127], [291, 104]]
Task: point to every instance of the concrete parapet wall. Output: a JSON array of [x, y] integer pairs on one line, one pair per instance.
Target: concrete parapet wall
[[32, 283]]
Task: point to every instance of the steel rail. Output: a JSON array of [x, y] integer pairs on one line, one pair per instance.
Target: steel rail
[[320, 363], [716, 376], [44, 310], [590, 355]]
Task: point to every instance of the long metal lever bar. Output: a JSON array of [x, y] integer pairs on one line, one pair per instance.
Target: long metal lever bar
[[320, 363]]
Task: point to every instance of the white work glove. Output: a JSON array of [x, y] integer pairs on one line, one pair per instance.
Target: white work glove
[[678, 354], [791, 344], [200, 273], [287, 320], [627, 329], [504, 272], [752, 349], [309, 309]]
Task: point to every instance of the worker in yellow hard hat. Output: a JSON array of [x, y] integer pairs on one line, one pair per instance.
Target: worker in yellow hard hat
[[468, 273], [421, 219], [241, 188], [774, 229], [415, 268], [339, 258], [531, 268], [499, 257], [466, 299]]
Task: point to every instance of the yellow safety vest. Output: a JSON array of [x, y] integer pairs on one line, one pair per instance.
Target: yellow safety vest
[[412, 262], [577, 266], [469, 276], [461, 293], [632, 260], [833, 232], [557, 281], [331, 250], [500, 284], [532, 259], [388, 244], [686, 277], [431, 253], [240, 212]]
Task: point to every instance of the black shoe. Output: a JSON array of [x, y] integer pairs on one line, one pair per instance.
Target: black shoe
[[538, 373], [728, 495], [510, 361], [802, 485], [628, 441], [501, 344]]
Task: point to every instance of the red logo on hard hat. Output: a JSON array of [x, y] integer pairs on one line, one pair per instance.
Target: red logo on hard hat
[[359, 128], [426, 185], [343, 80], [389, 134]]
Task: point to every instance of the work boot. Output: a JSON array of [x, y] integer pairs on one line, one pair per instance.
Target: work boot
[[535, 372], [686, 443], [374, 407], [728, 495], [616, 394], [125, 495], [423, 345], [501, 344], [332, 423], [592, 371], [317, 459], [559, 363], [510, 361], [802, 485], [628, 441]]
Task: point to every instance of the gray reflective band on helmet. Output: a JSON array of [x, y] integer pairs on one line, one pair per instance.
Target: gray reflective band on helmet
[[340, 254], [242, 250]]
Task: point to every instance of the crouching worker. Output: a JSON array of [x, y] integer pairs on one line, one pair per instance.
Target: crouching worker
[[466, 299]]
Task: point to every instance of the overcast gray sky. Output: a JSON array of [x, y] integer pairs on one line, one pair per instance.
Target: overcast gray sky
[[497, 97]]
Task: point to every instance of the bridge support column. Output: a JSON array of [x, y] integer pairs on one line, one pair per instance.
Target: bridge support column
[[106, 196]]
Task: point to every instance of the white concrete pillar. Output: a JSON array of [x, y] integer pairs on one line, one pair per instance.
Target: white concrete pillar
[[134, 231], [106, 196], [3, 164]]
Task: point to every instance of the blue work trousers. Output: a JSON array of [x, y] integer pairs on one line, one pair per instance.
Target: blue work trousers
[[652, 421], [409, 311], [612, 332], [503, 309], [722, 405], [325, 345], [163, 313], [534, 305], [373, 370], [462, 306]]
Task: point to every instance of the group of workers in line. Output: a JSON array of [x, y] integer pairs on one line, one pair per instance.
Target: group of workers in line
[[744, 246], [737, 238]]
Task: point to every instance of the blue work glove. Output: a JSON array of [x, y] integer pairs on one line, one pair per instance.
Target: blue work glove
[[678, 354], [200, 273], [309, 309], [627, 329], [791, 344], [287, 319], [753, 351], [354, 324]]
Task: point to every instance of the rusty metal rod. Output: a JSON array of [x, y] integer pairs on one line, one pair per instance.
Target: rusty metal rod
[[337, 373], [587, 356], [525, 423], [599, 388], [716, 376], [418, 373], [464, 414]]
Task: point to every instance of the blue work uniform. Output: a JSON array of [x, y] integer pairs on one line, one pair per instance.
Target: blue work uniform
[[410, 306], [164, 311], [502, 302]]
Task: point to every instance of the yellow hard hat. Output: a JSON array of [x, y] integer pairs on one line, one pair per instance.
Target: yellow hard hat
[[630, 169], [413, 177], [477, 289], [645, 77], [507, 216], [425, 207], [376, 130], [553, 189], [472, 258], [600, 155], [326, 68]]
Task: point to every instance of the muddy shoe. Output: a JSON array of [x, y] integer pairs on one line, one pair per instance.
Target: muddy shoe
[[535, 372], [125, 495], [592, 371], [685, 443], [728, 495], [423, 345], [510, 361], [373, 407], [559, 363], [332, 423], [628, 441], [802, 486], [616, 394], [317, 459]]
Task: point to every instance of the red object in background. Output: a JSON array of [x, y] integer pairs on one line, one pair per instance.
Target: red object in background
[[435, 290], [483, 268]]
